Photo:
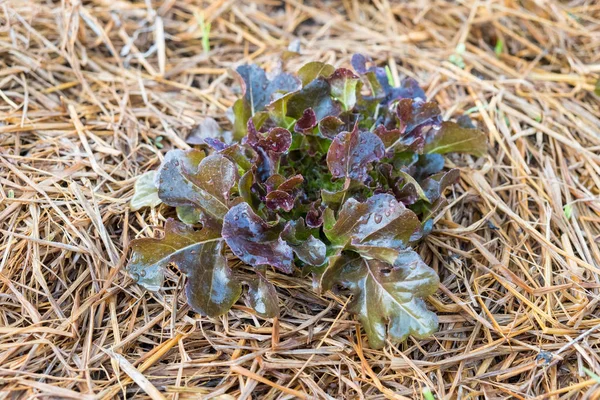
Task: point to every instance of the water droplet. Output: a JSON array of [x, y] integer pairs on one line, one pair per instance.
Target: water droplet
[[134, 276], [236, 217], [176, 163], [244, 215], [388, 213], [377, 218], [143, 273]]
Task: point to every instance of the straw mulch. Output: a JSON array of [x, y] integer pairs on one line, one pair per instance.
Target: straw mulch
[[94, 93]]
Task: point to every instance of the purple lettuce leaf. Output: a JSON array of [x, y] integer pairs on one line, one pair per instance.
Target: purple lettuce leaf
[[255, 241], [351, 153], [396, 140], [269, 146], [282, 193], [426, 165], [414, 114], [314, 216], [307, 122], [410, 185], [279, 199], [275, 141]]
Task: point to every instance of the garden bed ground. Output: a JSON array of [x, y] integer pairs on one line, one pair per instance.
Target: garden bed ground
[[93, 95]]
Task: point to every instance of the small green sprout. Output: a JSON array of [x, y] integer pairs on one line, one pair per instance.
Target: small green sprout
[[389, 75], [456, 58], [205, 29], [427, 394], [568, 210], [499, 47], [591, 374]]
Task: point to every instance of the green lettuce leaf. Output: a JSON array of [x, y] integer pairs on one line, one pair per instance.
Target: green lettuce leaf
[[387, 294], [145, 192], [210, 288], [453, 138]]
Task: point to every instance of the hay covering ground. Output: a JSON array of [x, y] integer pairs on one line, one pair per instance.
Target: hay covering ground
[[95, 92]]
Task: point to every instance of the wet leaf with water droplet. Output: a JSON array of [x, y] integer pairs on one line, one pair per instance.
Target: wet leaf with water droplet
[[343, 87], [330, 126], [257, 92], [255, 241], [351, 153], [275, 141], [317, 96], [413, 114], [386, 297], [205, 185], [279, 199], [307, 248], [281, 192], [307, 122], [179, 245], [262, 297], [380, 227]]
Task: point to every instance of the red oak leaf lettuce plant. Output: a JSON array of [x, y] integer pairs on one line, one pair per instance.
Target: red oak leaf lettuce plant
[[329, 173]]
